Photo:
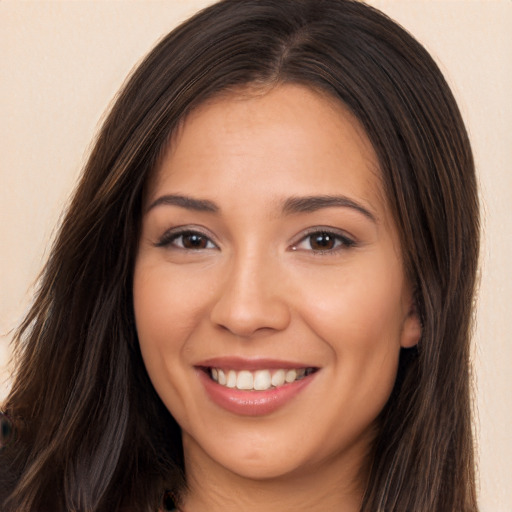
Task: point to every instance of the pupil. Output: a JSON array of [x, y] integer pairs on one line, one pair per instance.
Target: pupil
[[322, 241], [193, 241]]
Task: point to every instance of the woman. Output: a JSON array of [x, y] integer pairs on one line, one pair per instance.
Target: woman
[[261, 293]]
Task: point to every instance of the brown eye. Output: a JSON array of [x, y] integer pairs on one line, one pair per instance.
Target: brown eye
[[322, 241], [193, 241], [186, 240]]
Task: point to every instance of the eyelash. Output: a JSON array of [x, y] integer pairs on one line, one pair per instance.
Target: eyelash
[[341, 241], [170, 237]]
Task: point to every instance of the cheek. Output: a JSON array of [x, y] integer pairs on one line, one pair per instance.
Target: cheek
[[359, 317], [156, 308], [165, 313], [358, 310], [166, 307]]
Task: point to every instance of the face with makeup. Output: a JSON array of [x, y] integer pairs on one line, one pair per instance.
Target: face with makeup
[[270, 295]]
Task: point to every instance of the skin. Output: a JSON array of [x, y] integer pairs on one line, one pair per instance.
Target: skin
[[259, 287]]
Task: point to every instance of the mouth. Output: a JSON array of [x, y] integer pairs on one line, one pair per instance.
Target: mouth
[[258, 380], [249, 387]]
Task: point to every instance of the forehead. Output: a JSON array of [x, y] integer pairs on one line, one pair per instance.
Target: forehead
[[287, 138]]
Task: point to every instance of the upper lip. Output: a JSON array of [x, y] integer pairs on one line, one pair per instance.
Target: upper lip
[[251, 364]]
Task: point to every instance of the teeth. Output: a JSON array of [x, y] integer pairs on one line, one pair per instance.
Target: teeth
[[244, 380], [291, 375], [259, 380], [278, 379], [262, 380], [231, 383]]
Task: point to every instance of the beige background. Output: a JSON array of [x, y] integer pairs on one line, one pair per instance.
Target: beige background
[[62, 62]]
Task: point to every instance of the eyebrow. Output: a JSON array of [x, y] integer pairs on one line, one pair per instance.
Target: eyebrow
[[291, 206], [199, 205], [313, 203]]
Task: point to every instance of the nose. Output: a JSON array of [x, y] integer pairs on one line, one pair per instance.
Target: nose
[[252, 299]]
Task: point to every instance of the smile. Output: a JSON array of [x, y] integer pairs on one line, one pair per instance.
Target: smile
[[259, 380], [254, 388]]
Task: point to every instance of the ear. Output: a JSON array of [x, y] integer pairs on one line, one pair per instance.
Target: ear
[[411, 328]]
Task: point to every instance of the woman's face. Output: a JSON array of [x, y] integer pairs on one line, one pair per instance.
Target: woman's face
[[269, 290]]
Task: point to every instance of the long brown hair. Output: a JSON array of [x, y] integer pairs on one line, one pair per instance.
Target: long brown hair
[[92, 434]]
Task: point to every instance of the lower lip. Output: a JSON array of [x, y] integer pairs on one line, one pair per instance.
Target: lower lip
[[252, 403]]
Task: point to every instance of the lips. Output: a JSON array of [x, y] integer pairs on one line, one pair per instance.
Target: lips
[[253, 388]]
